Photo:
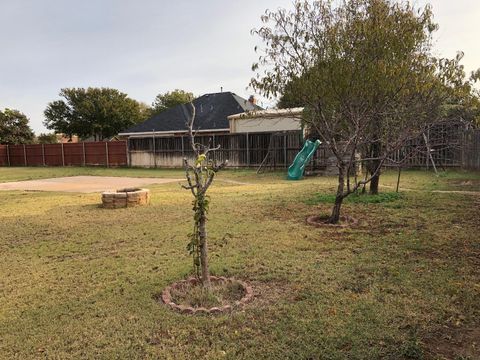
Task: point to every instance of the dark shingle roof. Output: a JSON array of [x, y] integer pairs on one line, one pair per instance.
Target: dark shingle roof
[[211, 114]]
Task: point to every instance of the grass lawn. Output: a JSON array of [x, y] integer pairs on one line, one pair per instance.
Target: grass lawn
[[80, 282]]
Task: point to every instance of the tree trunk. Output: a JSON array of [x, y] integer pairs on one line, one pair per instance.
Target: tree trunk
[[374, 184], [335, 216], [375, 164], [204, 251]]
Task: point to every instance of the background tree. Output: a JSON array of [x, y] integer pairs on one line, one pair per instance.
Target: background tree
[[14, 128], [44, 138], [365, 72], [170, 99], [146, 110], [94, 112], [463, 98], [289, 97]]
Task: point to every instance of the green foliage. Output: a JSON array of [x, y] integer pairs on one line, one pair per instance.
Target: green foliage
[[356, 198], [364, 61], [365, 72], [94, 112], [46, 139], [14, 128], [200, 208], [203, 173], [412, 349], [170, 99]]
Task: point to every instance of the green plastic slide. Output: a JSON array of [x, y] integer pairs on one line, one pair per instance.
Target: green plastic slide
[[295, 171]]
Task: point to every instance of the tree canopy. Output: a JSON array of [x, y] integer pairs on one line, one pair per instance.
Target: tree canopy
[[365, 71], [94, 112], [43, 138], [14, 128], [170, 99]]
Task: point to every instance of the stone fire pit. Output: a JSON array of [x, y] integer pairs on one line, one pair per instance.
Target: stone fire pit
[[125, 198]]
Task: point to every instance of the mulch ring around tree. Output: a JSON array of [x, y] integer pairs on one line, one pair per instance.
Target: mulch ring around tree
[[322, 221], [189, 297]]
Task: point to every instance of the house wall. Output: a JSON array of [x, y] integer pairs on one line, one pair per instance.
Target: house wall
[[264, 124]]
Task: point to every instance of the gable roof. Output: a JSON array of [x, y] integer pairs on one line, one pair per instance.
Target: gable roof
[[211, 112]]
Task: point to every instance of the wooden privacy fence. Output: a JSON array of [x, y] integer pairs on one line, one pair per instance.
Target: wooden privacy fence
[[471, 150], [448, 146], [241, 150], [113, 153]]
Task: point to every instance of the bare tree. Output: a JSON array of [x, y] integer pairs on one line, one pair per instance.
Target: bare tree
[[200, 176]]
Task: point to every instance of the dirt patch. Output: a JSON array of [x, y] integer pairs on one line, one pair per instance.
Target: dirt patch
[[454, 343], [83, 184], [322, 221]]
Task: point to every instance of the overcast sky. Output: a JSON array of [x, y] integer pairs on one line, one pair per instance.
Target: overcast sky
[[145, 47]]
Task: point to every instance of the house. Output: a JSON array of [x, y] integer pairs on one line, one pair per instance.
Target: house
[[273, 120], [163, 139], [211, 112], [245, 132]]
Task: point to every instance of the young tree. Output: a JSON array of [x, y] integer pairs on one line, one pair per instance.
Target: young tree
[[200, 176], [364, 71], [14, 128], [97, 112], [47, 138], [170, 99]]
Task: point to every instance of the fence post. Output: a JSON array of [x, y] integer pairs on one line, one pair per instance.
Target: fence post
[[25, 154], [106, 151], [63, 156], [248, 150], [183, 149], [285, 150], [8, 155], [127, 154], [43, 154], [84, 154]]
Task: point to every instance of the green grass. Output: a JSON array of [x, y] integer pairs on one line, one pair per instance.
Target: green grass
[[81, 282], [356, 198]]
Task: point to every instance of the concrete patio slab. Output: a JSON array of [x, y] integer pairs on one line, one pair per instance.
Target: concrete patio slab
[[83, 184]]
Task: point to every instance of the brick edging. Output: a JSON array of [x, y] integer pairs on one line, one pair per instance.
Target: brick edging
[[167, 297]]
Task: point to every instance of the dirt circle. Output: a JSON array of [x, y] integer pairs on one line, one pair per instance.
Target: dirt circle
[[168, 295], [321, 221], [125, 198]]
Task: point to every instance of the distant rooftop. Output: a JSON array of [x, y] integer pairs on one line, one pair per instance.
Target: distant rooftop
[[260, 113], [211, 112]]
